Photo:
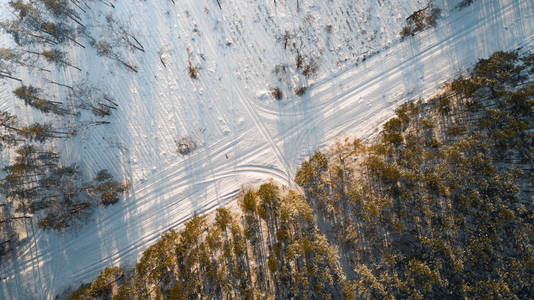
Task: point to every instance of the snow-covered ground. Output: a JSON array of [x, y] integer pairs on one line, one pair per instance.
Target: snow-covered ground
[[244, 136]]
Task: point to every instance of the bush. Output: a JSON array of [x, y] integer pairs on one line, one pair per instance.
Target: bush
[[406, 31], [310, 69], [185, 145], [465, 86], [394, 125], [421, 19], [63, 217], [277, 94], [431, 19], [465, 3], [110, 197], [193, 72], [107, 188], [103, 175], [300, 90]]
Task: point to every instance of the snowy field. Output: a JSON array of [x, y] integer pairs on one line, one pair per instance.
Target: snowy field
[[244, 136]]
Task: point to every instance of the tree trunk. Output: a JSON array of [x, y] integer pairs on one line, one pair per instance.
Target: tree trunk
[[10, 77]]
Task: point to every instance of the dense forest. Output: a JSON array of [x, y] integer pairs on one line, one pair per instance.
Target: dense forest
[[439, 205]]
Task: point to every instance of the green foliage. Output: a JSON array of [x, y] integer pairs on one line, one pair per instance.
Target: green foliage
[[529, 62], [223, 218], [124, 292], [106, 188], [26, 93], [103, 175], [404, 111], [269, 199], [101, 286], [520, 102], [268, 193], [249, 202], [305, 175], [82, 293], [465, 86], [37, 132], [319, 161], [444, 105], [445, 194], [393, 125], [310, 170], [368, 286], [500, 66], [193, 229], [213, 260], [392, 131], [32, 97], [438, 207]]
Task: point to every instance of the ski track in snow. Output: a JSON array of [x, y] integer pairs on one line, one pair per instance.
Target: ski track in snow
[[243, 139]]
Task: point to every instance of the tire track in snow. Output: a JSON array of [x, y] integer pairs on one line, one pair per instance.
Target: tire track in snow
[[344, 101], [326, 86], [176, 183], [162, 176], [176, 193], [255, 118], [246, 169], [296, 129]]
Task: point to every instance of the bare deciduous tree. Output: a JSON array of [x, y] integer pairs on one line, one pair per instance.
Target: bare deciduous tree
[[32, 96], [104, 48]]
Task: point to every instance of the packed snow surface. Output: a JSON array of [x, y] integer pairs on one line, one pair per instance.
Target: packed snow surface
[[243, 135]]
